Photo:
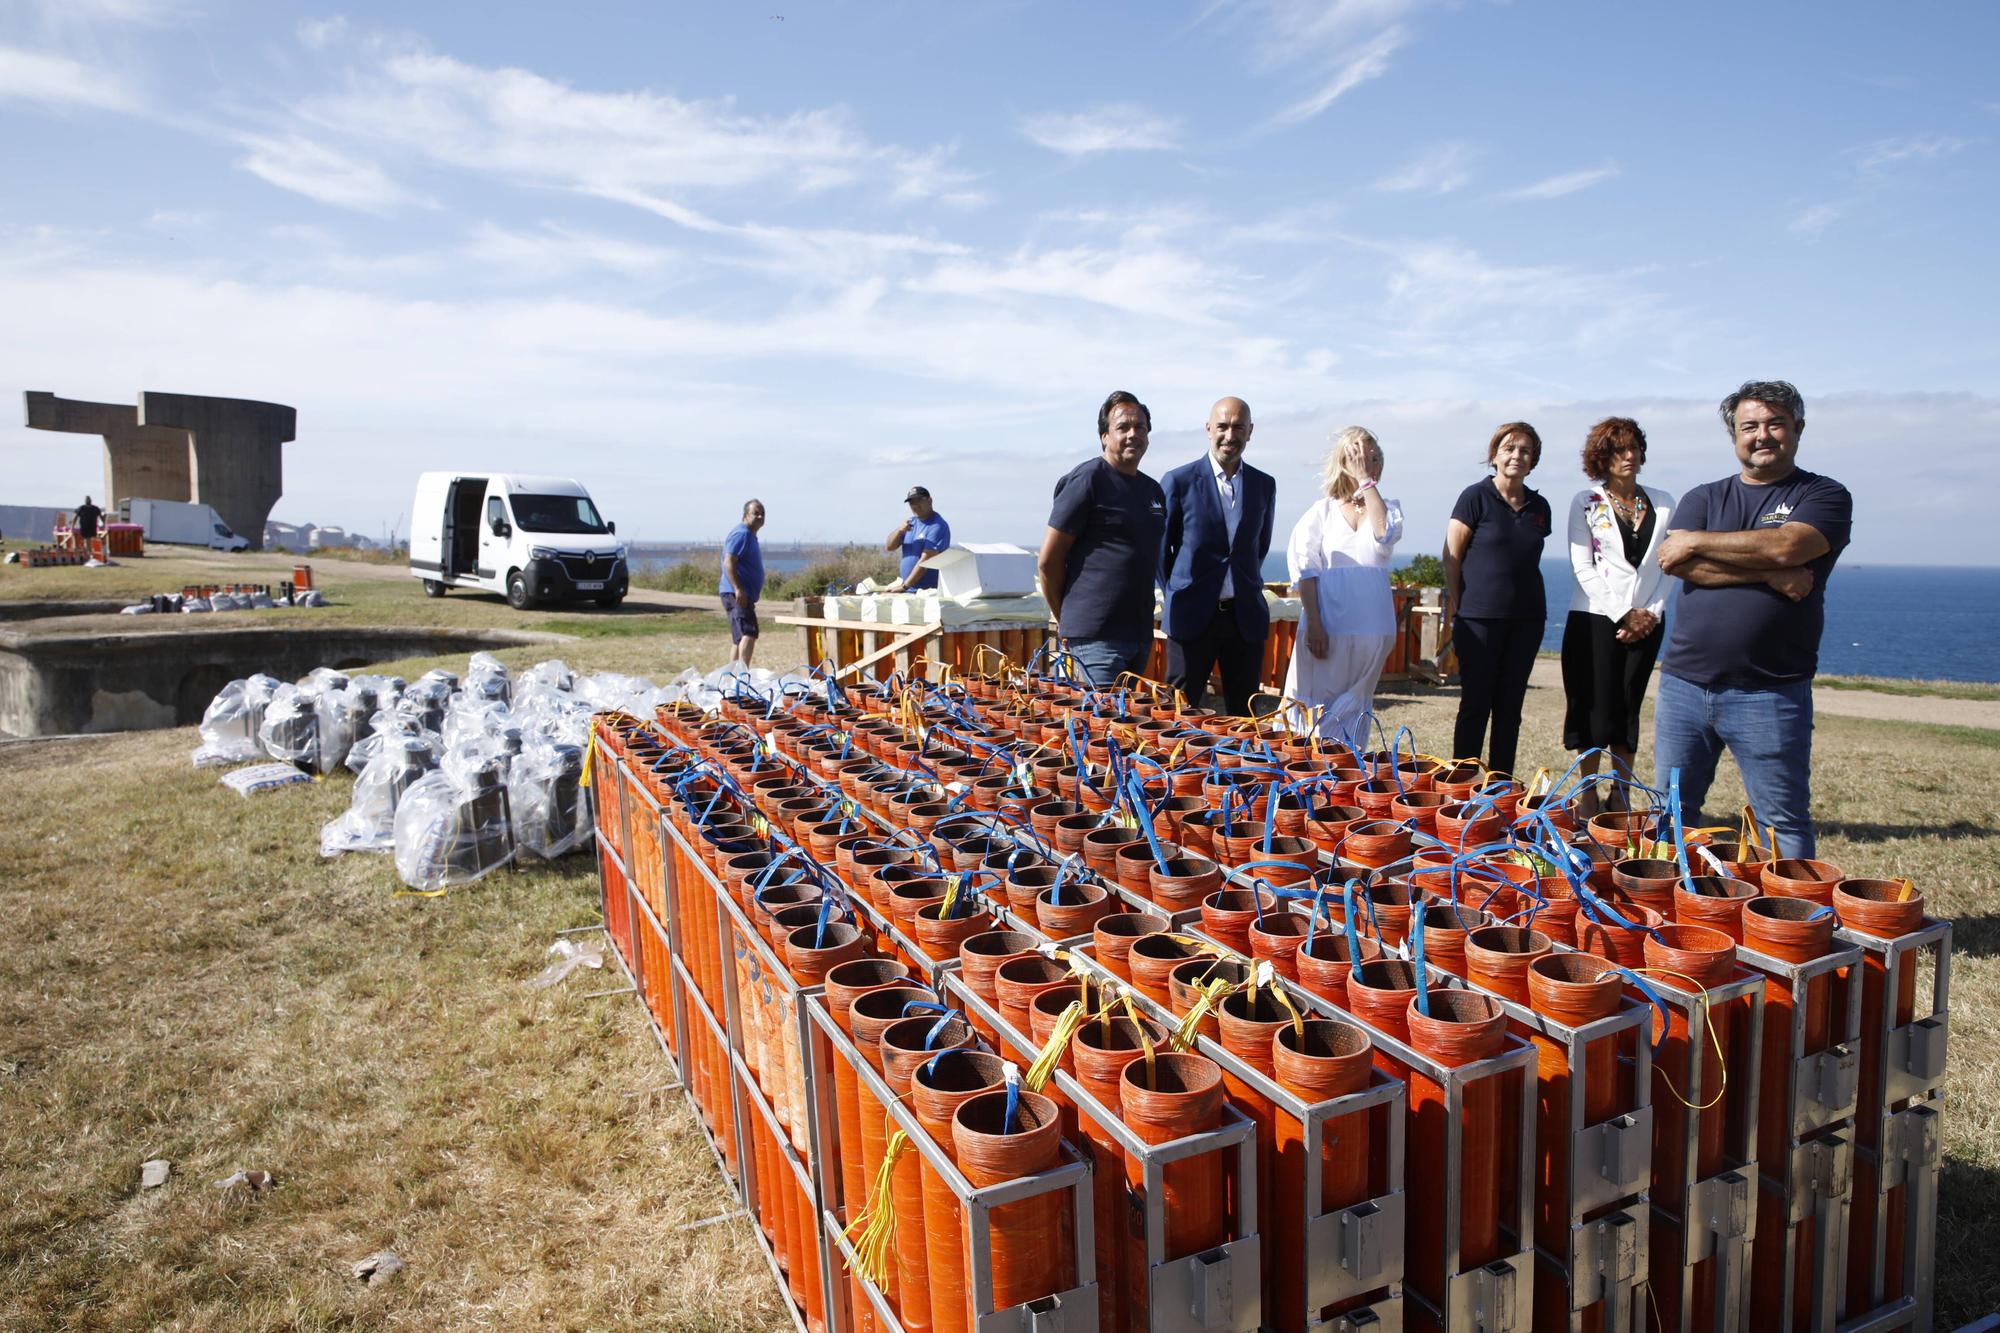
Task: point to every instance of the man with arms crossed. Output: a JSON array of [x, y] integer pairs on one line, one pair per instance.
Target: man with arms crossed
[[743, 581], [1212, 564], [1101, 555], [1753, 553]]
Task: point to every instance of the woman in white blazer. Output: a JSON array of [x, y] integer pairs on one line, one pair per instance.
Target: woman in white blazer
[[1616, 611]]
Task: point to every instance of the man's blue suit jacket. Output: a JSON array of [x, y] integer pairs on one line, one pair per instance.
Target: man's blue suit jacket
[[1196, 551]]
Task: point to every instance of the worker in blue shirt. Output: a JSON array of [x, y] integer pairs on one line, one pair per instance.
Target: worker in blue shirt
[[924, 534]]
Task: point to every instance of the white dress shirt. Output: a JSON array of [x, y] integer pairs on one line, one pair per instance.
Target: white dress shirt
[[1230, 490]]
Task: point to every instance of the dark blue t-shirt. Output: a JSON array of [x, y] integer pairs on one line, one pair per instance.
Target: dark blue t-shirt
[[1502, 565], [749, 552], [1751, 636], [1117, 522]]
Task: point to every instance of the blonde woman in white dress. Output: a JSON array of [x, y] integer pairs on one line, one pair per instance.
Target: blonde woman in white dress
[[1339, 556]]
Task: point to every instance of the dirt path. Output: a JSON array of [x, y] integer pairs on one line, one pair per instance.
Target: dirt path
[[1982, 713]]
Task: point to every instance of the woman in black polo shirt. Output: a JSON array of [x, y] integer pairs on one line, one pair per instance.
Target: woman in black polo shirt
[[1493, 577]]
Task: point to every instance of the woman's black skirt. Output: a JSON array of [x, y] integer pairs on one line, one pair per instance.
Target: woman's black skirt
[[1605, 682]]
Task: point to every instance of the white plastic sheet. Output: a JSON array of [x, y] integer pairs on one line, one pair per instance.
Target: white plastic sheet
[[448, 833], [550, 807], [369, 823], [230, 723]]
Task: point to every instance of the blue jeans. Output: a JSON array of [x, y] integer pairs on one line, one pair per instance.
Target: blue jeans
[[1768, 731], [1103, 660]]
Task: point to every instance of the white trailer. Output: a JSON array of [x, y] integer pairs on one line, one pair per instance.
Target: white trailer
[[179, 523]]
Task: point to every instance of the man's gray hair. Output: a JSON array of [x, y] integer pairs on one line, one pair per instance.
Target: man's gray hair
[[1777, 395], [747, 504]]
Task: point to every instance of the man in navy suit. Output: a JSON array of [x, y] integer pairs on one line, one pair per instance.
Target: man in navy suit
[[1218, 532]]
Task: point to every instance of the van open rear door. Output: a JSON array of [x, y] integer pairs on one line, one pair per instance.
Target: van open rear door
[[448, 557]]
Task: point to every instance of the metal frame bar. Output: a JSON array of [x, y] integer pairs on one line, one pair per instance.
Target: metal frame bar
[[1909, 1063], [1353, 1252], [1812, 1173], [1218, 1273], [1607, 1260], [1496, 1297], [1718, 1216], [1071, 1311]]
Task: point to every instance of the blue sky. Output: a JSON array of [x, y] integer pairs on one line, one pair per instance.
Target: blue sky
[[817, 252]]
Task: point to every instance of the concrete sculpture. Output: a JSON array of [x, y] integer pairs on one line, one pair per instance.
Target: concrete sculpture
[[175, 446]]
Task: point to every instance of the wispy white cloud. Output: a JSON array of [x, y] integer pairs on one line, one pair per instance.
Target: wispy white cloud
[[525, 128], [1448, 303], [1292, 226], [179, 220], [1880, 153], [1370, 61], [1289, 32], [818, 255], [1569, 182], [1131, 276], [79, 18], [293, 162], [56, 80], [1438, 170], [1817, 218], [553, 250], [317, 34], [1118, 127], [1338, 44]]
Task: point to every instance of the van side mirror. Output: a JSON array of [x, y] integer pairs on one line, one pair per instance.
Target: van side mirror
[[501, 529], [611, 528]]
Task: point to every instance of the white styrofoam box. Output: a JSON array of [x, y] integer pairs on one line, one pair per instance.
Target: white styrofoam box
[[842, 608], [912, 608], [984, 569], [870, 608], [1024, 611], [1282, 608]]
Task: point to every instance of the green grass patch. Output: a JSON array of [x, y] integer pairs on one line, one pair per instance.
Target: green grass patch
[[603, 627], [842, 570], [1916, 689]]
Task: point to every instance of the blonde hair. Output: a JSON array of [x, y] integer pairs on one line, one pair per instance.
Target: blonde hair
[[1332, 479]]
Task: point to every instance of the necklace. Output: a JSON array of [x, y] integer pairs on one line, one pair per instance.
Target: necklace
[[1634, 513]]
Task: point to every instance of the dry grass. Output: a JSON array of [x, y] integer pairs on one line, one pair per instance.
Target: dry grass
[[185, 978]]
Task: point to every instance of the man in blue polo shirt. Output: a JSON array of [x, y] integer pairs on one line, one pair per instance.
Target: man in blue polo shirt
[[1753, 553], [924, 534], [743, 581]]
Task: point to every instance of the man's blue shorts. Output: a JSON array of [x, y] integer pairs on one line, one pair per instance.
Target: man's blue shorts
[[742, 618]]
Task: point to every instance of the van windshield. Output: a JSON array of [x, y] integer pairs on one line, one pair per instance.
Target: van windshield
[[557, 513]]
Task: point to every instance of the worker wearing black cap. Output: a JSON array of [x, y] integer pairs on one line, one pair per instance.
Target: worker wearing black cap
[[923, 534]]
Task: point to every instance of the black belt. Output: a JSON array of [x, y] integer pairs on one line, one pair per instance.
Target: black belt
[[1225, 604]]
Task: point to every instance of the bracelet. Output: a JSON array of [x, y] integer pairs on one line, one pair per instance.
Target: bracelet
[[1367, 484]]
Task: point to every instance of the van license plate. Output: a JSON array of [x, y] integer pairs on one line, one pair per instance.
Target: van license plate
[[591, 587]]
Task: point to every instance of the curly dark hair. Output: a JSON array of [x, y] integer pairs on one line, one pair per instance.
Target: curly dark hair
[[1522, 429], [1120, 398], [1606, 438]]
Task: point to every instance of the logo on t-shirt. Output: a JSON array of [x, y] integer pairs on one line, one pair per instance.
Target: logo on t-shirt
[[1782, 514], [1159, 506]]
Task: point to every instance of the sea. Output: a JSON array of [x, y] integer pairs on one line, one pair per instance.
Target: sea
[[1910, 622]]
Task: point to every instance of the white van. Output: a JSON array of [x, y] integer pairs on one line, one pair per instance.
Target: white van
[[531, 538]]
